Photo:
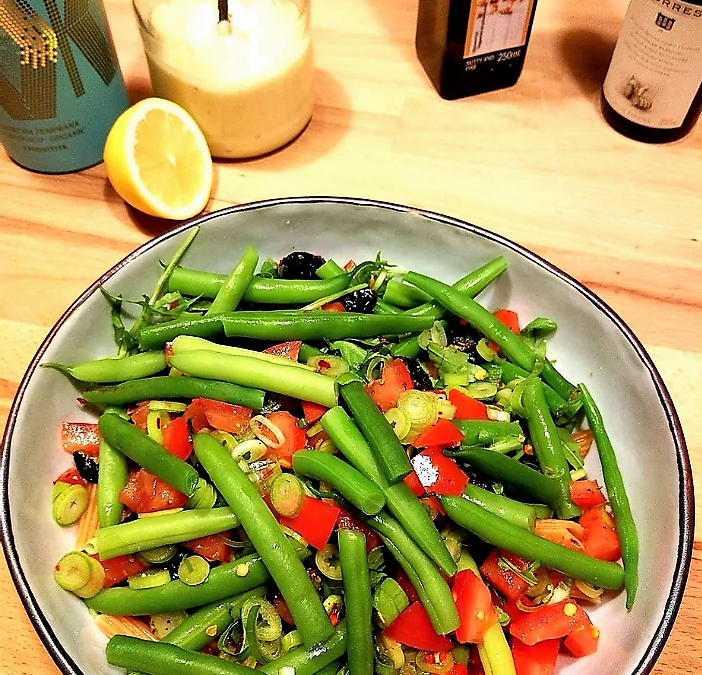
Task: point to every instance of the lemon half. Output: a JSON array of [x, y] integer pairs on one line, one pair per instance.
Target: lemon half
[[158, 161]]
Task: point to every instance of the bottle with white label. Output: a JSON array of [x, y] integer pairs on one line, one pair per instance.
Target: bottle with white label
[[653, 88]]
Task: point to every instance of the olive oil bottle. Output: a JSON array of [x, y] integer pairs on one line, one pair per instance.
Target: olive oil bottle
[[469, 47]]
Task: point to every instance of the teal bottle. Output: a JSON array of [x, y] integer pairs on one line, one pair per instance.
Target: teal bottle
[[61, 88]]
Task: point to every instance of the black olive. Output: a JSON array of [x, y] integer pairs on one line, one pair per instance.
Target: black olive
[[87, 467], [362, 301], [300, 265], [173, 563], [479, 479], [270, 404], [463, 337], [420, 377]]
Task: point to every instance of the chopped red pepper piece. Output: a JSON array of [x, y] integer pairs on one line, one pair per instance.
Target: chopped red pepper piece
[[80, 437], [474, 606], [503, 579], [413, 628], [587, 494], [70, 476], [509, 319], [225, 416], [176, 438], [395, 380], [583, 640], [548, 622], [407, 586], [313, 411], [438, 473], [294, 434], [538, 659], [467, 408], [444, 434], [315, 522], [212, 547], [146, 493], [334, 307], [288, 350], [119, 568], [601, 539], [195, 417]]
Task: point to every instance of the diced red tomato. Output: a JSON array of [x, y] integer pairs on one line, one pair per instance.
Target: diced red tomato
[[395, 380], [288, 350], [212, 547], [548, 622], [412, 482], [444, 434], [196, 418], [505, 581], [587, 494], [509, 319], [563, 532], [458, 669], [313, 411], [146, 493], [315, 522], [176, 438], [119, 568], [413, 628], [407, 586], [71, 476], [139, 414], [438, 473], [583, 640], [601, 539], [225, 416], [474, 606], [334, 307], [294, 434], [538, 659], [80, 437], [467, 408], [348, 521]]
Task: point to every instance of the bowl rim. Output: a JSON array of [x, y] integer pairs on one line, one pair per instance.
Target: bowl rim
[[686, 503]]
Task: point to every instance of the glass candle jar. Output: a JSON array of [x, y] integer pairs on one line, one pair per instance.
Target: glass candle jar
[[247, 82]]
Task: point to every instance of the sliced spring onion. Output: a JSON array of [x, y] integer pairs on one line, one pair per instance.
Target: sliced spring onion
[[391, 650], [250, 450], [59, 487], [264, 651], [259, 421], [167, 406], [204, 497], [159, 555], [96, 581], [480, 390], [77, 572], [326, 445], [268, 624], [291, 640], [158, 514], [327, 560], [329, 365], [193, 570], [422, 408], [226, 439], [389, 601], [497, 415], [446, 409], [333, 604], [287, 494], [484, 350], [434, 662], [149, 579], [70, 504], [163, 624], [399, 421], [156, 422]]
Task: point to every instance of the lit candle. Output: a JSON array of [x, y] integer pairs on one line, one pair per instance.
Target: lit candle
[[247, 81]]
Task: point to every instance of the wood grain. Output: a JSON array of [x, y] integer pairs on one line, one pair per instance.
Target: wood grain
[[535, 163]]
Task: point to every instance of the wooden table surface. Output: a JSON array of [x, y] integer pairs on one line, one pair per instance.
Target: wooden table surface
[[535, 163]]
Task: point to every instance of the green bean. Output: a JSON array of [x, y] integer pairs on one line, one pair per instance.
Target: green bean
[[197, 630], [521, 515], [234, 286], [431, 587], [329, 269], [114, 369], [144, 534], [556, 403], [156, 335], [618, 499], [511, 472], [486, 432], [407, 347], [403, 295], [386, 447], [147, 453], [265, 534], [399, 498], [225, 580], [112, 477], [253, 372], [261, 290], [331, 669], [187, 343], [307, 351], [498, 532], [513, 346], [547, 445], [165, 387], [358, 600], [318, 324], [382, 307], [346, 480], [309, 661], [472, 284], [161, 658]]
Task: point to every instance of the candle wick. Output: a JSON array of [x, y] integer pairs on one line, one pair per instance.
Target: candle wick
[[223, 6]]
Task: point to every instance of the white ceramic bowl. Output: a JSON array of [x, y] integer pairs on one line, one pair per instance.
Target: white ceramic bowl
[[592, 345]]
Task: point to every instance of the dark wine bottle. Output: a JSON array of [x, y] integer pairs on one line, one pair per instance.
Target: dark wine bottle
[[653, 88], [470, 47]]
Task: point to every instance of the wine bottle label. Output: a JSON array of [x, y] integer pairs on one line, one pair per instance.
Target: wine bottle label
[[656, 67], [497, 25]]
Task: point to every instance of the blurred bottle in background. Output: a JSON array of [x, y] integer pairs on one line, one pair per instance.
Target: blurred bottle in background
[[61, 88], [653, 88], [472, 46]]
